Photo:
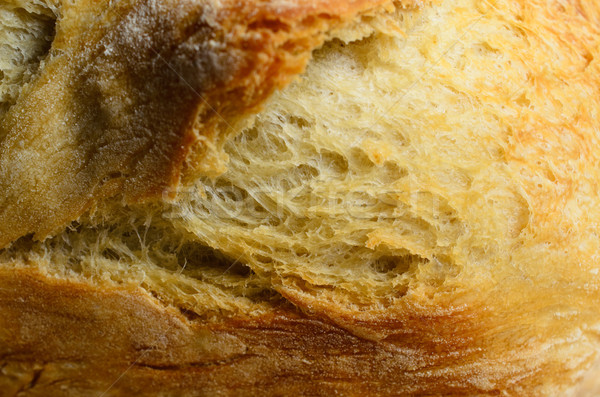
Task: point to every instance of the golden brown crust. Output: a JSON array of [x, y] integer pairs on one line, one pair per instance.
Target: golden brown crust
[[68, 338], [138, 91]]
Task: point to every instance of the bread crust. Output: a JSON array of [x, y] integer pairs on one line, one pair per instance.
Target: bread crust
[[64, 337], [136, 93]]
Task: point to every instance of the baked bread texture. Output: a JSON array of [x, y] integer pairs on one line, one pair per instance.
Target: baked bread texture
[[299, 198]]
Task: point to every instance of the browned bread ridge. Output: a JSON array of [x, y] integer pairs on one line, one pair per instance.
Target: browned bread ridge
[[299, 198]]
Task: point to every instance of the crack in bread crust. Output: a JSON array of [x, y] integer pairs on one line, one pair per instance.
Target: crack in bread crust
[[140, 92]]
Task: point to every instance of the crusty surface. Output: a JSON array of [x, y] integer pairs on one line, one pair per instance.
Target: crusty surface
[[425, 191], [120, 341], [68, 338], [126, 337]]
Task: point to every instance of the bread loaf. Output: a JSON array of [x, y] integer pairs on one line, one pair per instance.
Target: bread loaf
[[364, 197]]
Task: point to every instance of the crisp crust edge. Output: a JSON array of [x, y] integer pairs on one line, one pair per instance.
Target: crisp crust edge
[[67, 337]]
